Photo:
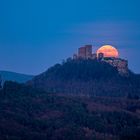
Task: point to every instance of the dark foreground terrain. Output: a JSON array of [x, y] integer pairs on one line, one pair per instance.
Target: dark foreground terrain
[[28, 114]]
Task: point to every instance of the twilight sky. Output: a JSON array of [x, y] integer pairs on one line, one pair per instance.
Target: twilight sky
[[36, 34]]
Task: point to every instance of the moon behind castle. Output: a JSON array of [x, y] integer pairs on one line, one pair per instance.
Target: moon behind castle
[[108, 51]]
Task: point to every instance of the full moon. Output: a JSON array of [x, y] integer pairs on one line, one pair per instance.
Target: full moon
[[108, 51]]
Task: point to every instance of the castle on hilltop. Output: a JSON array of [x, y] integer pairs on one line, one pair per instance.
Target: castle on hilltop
[[108, 55]]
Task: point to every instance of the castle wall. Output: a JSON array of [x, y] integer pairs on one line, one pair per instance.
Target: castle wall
[[120, 64]]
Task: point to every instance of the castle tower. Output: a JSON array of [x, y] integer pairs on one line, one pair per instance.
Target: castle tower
[[88, 51], [82, 52], [100, 56]]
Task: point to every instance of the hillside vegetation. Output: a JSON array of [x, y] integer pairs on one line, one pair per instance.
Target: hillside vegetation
[[87, 77], [26, 113], [75, 100]]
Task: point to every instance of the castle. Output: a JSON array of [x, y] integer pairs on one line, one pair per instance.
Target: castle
[[86, 53]]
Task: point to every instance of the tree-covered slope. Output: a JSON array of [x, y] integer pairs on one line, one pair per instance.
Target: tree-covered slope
[[90, 77], [26, 113]]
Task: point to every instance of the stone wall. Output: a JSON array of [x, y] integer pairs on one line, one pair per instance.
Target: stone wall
[[120, 64]]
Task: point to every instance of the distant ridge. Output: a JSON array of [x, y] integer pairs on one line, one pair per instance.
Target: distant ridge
[[16, 77]]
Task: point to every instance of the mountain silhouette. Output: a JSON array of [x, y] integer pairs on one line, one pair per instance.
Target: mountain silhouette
[[13, 76], [86, 77]]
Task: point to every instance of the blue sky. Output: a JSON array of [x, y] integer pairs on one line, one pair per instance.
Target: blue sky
[[36, 34]]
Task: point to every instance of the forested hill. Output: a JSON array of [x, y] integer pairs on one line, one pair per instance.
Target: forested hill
[[88, 77], [27, 113]]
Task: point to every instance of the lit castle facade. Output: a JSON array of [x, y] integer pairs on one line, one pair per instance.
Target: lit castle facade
[[86, 53]]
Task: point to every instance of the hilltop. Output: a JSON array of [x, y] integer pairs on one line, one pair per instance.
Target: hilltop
[[87, 77]]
